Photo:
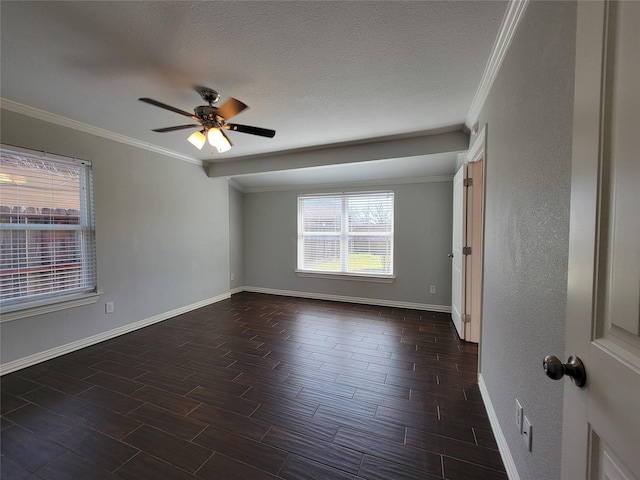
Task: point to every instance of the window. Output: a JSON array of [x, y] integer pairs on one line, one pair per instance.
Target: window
[[350, 233], [47, 234]]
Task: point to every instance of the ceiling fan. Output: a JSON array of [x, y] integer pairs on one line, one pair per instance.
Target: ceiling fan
[[212, 120]]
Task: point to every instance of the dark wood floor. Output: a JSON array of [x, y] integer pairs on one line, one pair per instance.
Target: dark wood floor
[[257, 387]]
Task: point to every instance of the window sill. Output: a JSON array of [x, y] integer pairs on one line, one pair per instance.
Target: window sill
[[30, 309], [347, 276]]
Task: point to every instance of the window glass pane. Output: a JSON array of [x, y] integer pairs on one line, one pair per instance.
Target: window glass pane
[[369, 254], [40, 189], [48, 238], [322, 214], [371, 213], [322, 253]]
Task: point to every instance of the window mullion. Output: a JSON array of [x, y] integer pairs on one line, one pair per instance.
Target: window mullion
[[344, 236]]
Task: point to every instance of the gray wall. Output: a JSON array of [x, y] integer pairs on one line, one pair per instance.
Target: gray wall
[[423, 226], [236, 238], [529, 120], [162, 232]]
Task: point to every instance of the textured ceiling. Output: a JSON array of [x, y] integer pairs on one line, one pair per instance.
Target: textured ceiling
[[318, 72]]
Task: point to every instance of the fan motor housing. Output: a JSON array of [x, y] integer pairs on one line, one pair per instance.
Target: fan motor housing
[[206, 113]]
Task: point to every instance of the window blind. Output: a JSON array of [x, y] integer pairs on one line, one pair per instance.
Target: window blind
[[47, 230], [346, 233]]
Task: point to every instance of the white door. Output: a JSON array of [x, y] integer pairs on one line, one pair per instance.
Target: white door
[[474, 239], [457, 264], [601, 430]]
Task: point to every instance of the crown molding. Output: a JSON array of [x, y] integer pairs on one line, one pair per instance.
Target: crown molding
[[236, 185], [99, 132], [510, 23]]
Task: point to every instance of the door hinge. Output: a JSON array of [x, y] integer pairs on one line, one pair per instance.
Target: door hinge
[[467, 182], [466, 318], [466, 250]]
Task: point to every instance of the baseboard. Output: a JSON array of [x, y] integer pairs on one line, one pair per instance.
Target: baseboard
[[340, 298], [503, 446], [30, 360], [233, 291]]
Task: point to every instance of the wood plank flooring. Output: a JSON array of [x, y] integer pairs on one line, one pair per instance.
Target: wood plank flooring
[[257, 387]]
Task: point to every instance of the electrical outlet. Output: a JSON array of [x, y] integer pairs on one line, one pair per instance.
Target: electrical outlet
[[527, 433], [432, 289], [109, 307], [519, 416], [233, 276]]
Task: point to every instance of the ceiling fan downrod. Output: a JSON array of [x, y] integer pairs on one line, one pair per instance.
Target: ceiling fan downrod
[[208, 95]]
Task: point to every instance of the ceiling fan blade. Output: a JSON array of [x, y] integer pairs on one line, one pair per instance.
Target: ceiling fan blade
[[156, 103], [179, 127], [231, 108], [263, 132]]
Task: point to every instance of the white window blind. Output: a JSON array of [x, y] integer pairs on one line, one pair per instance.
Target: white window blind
[[47, 229], [346, 233]]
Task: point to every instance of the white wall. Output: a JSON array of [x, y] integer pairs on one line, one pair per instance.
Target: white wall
[[162, 232], [423, 226], [529, 122]]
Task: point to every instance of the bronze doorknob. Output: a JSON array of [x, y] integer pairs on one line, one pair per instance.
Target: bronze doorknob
[[574, 368]]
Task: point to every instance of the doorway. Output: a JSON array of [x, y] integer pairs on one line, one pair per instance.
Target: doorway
[[467, 243]]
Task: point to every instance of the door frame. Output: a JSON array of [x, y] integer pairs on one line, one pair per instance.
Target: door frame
[[584, 208], [476, 215], [472, 218]]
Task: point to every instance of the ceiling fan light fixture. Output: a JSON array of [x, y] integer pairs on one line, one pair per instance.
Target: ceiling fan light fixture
[[211, 121], [219, 140], [197, 139], [223, 148]]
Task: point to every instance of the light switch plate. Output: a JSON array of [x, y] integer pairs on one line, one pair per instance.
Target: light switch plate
[[519, 416], [527, 433]]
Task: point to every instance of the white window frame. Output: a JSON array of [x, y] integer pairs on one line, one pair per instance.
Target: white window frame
[[58, 299], [344, 236]]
